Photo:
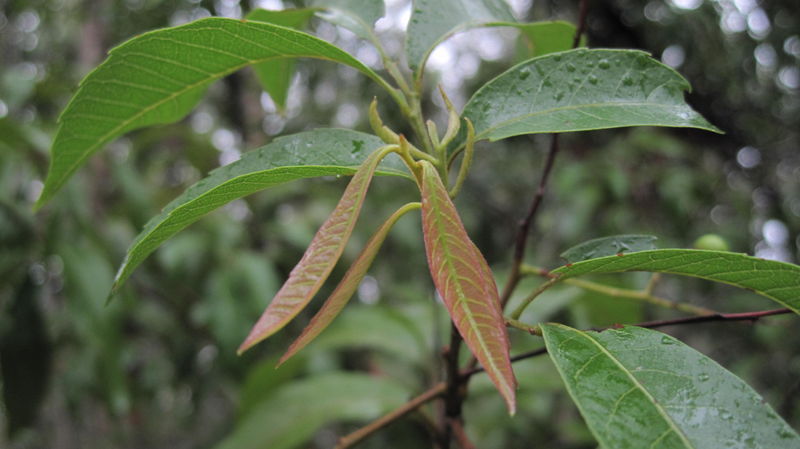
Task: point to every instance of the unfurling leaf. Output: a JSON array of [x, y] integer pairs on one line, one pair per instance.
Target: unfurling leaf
[[775, 280], [319, 259], [347, 286], [638, 388], [159, 77], [465, 283]]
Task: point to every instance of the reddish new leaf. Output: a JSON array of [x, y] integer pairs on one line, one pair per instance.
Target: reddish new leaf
[[464, 281], [319, 259], [347, 286]]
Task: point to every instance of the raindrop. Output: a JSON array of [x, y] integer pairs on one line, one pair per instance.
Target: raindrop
[[665, 340], [604, 64], [704, 377], [627, 80], [726, 415], [524, 74], [592, 79], [556, 58], [570, 67], [558, 95]]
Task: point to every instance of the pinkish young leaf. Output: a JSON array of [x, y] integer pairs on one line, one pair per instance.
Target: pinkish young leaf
[[347, 286], [319, 259], [464, 281]]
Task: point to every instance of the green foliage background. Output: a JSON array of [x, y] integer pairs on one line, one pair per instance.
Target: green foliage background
[[157, 368]]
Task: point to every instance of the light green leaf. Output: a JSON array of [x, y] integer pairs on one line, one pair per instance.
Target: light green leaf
[[158, 77], [323, 152], [609, 246], [638, 388], [580, 90], [291, 416], [778, 281], [276, 75], [543, 38], [433, 21], [358, 16]]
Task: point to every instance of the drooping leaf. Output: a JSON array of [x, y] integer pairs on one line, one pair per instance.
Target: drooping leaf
[[358, 16], [322, 152], [580, 90], [609, 246], [276, 75], [542, 38], [320, 257], [778, 281], [638, 388], [347, 286], [158, 77], [292, 415], [432, 21], [464, 281]]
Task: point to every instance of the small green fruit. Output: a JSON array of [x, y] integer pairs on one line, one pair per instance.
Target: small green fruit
[[712, 242]]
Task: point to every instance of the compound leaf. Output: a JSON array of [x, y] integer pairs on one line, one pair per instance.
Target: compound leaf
[[159, 77], [580, 90], [464, 281], [320, 257], [322, 152], [638, 388], [778, 281], [347, 286]]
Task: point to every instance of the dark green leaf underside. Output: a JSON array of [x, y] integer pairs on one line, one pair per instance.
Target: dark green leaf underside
[[323, 152], [778, 281], [638, 388], [159, 77], [609, 246], [581, 90]]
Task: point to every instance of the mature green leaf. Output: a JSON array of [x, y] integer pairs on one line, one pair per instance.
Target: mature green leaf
[[638, 388], [358, 16], [159, 76], [778, 281], [276, 75], [432, 21], [291, 416], [543, 38], [347, 286], [320, 257], [609, 246], [580, 90], [465, 283], [323, 152]]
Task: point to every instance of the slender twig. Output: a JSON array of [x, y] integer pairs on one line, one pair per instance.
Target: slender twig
[[453, 398], [745, 316], [582, 13], [529, 299], [460, 435]]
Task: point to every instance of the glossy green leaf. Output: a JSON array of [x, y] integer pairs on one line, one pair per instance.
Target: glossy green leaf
[[276, 76], [638, 388], [347, 286], [465, 283], [609, 246], [323, 152], [320, 257], [543, 38], [158, 77], [432, 21], [778, 281], [580, 90], [292, 415]]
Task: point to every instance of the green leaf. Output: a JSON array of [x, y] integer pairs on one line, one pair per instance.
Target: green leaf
[[638, 388], [320, 257], [465, 283], [292, 415], [322, 152], [609, 246], [433, 21], [358, 16], [580, 90], [778, 281], [158, 77], [276, 76], [347, 286], [543, 38]]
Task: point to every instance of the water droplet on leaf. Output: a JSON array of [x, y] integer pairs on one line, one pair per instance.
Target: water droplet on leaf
[[604, 64]]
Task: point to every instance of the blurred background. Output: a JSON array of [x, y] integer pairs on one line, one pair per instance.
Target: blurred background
[[157, 368]]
